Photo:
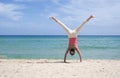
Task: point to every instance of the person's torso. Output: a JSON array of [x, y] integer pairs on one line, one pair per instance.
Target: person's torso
[[73, 41]]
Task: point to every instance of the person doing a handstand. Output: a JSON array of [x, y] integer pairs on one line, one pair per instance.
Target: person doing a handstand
[[72, 35]]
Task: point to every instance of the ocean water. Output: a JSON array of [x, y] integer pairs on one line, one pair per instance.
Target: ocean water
[[54, 47]]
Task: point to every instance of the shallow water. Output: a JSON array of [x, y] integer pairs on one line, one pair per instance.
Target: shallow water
[[54, 47]]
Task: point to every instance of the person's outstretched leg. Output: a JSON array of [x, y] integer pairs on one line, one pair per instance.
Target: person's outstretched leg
[[66, 55], [79, 53]]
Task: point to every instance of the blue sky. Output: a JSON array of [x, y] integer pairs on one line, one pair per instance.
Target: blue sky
[[31, 17]]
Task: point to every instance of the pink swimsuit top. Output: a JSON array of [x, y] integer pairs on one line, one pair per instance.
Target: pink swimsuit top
[[72, 41]]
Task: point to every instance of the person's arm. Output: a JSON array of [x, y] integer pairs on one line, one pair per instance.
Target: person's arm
[[79, 28], [61, 24]]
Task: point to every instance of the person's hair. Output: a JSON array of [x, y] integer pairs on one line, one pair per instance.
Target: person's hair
[[72, 52]]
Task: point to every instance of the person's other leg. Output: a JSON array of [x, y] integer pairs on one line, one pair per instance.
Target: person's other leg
[[66, 55]]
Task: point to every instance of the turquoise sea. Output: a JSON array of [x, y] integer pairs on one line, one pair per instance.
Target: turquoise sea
[[54, 47]]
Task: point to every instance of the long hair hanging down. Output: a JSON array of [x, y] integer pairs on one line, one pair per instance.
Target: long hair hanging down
[[72, 52]]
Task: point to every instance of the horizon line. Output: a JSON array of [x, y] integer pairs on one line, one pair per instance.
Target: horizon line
[[58, 35]]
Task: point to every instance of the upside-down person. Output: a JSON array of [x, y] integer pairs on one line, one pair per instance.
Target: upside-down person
[[72, 35]]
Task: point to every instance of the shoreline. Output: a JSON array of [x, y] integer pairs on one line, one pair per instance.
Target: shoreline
[[68, 61], [51, 68], [72, 60]]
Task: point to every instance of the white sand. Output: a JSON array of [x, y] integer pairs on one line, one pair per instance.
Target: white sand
[[57, 69]]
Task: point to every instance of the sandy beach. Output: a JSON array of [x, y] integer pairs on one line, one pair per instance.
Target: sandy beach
[[44, 68]]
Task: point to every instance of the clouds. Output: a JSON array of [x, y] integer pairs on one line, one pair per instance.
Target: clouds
[[102, 9], [107, 14], [70, 12], [55, 1], [11, 11], [27, 0]]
